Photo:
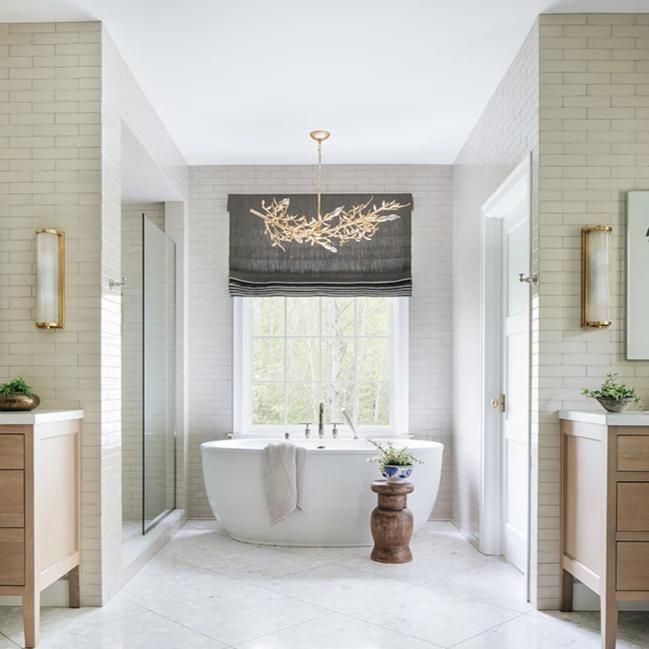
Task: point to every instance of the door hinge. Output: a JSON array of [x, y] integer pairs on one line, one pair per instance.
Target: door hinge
[[527, 279], [499, 404]]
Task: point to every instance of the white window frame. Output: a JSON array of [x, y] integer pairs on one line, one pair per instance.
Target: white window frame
[[399, 380]]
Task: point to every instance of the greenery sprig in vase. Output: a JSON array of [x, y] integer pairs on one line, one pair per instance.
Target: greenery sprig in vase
[[394, 463], [17, 395], [613, 395]]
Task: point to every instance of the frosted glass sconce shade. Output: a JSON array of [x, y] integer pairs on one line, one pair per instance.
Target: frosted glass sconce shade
[[50, 278], [595, 289]]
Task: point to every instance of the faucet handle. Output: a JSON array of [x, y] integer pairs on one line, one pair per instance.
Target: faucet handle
[[307, 428], [334, 430]]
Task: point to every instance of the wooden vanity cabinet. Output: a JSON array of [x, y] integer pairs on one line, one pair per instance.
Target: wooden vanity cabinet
[[605, 511], [39, 510]]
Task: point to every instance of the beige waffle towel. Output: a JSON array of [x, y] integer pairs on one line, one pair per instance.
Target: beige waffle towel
[[283, 479]]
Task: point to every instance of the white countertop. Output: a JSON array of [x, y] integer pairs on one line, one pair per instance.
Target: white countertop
[[38, 416], [628, 418]]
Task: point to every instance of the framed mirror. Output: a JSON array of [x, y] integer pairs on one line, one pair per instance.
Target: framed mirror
[[637, 275]]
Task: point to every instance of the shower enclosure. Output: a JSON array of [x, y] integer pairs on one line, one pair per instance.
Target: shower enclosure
[[148, 369], [159, 385]]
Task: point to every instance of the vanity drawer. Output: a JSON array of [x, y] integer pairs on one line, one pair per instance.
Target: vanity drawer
[[12, 557], [633, 565], [12, 498], [12, 451], [633, 453], [633, 506]]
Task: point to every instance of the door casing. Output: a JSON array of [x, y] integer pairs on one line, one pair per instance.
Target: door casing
[[516, 187]]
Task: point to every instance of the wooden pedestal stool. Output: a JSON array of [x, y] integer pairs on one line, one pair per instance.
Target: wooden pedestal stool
[[392, 522]]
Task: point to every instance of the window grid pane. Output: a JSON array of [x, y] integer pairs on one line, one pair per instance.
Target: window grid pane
[[360, 383]]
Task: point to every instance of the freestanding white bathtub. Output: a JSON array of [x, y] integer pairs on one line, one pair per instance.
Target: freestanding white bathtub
[[337, 499]]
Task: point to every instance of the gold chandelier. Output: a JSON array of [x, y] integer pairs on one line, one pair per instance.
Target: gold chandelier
[[330, 230]]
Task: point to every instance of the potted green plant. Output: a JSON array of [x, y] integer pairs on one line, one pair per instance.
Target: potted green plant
[[17, 395], [613, 395], [394, 463]]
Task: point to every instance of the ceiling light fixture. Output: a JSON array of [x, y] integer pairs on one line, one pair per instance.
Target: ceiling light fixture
[[330, 230]]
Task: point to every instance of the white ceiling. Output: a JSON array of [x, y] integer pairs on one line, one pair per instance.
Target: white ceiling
[[244, 81]]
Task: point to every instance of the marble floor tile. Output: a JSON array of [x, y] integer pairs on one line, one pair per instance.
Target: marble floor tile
[[146, 631], [260, 563], [437, 531], [163, 581], [337, 587], [57, 620], [339, 632], [431, 562], [497, 583], [540, 630], [437, 618], [5, 643], [241, 615], [207, 591]]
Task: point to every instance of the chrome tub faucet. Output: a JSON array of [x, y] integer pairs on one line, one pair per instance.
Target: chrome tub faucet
[[320, 420]]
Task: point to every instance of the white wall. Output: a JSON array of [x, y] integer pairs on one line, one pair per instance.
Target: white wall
[[506, 132], [211, 307], [123, 104], [577, 97]]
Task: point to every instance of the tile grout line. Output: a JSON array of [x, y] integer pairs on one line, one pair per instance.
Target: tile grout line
[[385, 628], [477, 635]]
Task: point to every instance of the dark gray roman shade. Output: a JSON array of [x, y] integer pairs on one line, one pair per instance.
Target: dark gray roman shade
[[380, 265]]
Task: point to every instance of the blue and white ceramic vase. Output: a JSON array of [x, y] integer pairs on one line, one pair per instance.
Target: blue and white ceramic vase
[[397, 473]]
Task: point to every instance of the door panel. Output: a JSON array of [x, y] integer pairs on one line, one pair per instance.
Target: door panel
[[515, 419]]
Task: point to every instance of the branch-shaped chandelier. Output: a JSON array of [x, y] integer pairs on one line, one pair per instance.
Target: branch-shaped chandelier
[[330, 230]]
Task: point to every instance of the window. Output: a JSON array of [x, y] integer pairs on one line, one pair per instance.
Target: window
[[291, 353]]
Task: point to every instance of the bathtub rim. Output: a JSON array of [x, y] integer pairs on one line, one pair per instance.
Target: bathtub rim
[[244, 445]]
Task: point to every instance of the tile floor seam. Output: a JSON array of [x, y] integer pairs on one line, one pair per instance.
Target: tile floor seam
[[327, 612], [486, 631], [10, 640], [185, 626], [387, 628], [287, 628], [298, 599], [405, 635]]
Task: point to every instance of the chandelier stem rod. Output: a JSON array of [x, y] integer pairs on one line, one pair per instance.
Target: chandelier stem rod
[[319, 180]]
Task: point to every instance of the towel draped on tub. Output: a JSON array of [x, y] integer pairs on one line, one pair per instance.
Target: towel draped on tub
[[283, 479]]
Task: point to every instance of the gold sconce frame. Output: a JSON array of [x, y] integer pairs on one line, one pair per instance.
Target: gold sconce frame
[[595, 289], [50, 282]]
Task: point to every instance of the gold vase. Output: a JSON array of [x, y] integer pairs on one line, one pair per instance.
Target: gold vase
[[19, 402]]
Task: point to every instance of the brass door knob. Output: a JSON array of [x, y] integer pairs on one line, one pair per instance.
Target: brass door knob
[[498, 404]]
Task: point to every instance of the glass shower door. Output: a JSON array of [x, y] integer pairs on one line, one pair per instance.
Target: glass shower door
[[159, 350]]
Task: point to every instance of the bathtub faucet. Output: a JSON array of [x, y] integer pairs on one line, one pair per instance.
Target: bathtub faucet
[[320, 420], [350, 423]]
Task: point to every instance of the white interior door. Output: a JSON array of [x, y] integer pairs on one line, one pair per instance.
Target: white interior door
[[515, 247]]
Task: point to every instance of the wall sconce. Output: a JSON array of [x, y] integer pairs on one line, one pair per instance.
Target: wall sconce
[[50, 278], [595, 291]]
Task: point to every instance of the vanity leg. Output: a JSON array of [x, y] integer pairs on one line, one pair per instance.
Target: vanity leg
[[31, 616], [73, 585], [567, 583], [609, 622]]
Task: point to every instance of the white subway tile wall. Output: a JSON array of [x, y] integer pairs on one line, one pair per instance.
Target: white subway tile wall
[[210, 317], [594, 146], [50, 165], [576, 96], [64, 92]]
